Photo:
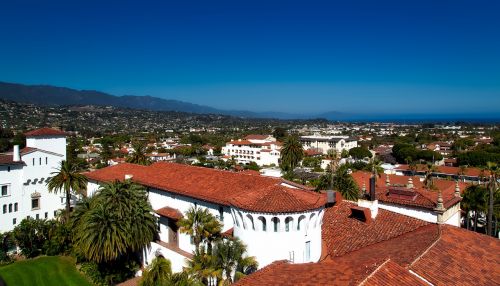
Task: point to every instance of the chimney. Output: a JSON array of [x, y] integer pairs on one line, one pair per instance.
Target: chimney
[[372, 189], [128, 176], [331, 198], [16, 156]]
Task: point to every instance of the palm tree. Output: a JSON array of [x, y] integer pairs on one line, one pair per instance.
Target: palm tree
[[158, 273], [67, 179], [461, 172], [201, 225], [119, 221], [430, 169], [474, 201], [139, 155], [494, 170], [291, 153], [230, 262]]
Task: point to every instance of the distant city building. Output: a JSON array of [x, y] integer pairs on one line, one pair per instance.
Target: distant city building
[[23, 177], [325, 143], [261, 149]]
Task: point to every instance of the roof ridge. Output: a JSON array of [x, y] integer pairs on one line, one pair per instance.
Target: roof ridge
[[428, 248], [374, 272]]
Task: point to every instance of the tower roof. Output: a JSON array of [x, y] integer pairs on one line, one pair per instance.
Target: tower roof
[[45, 132]]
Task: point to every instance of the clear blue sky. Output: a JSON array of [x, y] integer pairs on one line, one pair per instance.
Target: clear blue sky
[[291, 56]]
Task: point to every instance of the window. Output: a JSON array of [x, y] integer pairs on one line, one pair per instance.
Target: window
[[33, 161], [37, 216], [288, 223], [55, 213], [35, 203], [15, 207], [8, 168], [10, 208], [46, 215], [4, 209], [221, 213], [40, 161], [46, 160], [276, 223], [307, 254], [14, 221], [263, 223], [5, 190]]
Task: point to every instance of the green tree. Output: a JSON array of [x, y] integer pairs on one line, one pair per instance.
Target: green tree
[[158, 273], [360, 153], [494, 170], [139, 156], [30, 235], [230, 261], [291, 153], [67, 179], [474, 202], [279, 133], [201, 225], [119, 221]]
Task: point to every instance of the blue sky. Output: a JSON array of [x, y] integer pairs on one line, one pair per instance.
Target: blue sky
[[290, 56]]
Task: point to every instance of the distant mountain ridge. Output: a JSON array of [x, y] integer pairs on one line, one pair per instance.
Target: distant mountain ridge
[[48, 95]]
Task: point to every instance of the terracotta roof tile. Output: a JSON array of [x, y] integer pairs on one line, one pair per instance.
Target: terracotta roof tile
[[216, 186], [45, 132], [169, 212]]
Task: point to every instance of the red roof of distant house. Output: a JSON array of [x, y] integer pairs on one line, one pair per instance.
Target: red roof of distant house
[[256, 137], [216, 186], [278, 198], [169, 212], [423, 197], [471, 172], [45, 132], [312, 152]]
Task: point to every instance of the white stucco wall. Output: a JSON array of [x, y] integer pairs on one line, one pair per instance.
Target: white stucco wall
[[56, 144], [177, 260], [268, 246], [25, 180], [451, 216]]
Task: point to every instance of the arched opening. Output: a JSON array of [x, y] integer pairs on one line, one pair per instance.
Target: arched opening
[[250, 219], [300, 222], [288, 223], [312, 221], [236, 219], [242, 220], [276, 224], [263, 224]]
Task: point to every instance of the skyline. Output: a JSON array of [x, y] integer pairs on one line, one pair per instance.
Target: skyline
[[347, 57]]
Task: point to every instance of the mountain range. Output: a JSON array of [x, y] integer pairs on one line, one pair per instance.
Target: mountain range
[[47, 95]]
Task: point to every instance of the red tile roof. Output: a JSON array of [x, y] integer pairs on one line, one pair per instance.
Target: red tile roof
[[461, 257], [256, 137], [343, 234], [423, 197], [169, 212], [471, 172], [6, 159], [45, 132], [280, 199], [390, 273], [216, 186]]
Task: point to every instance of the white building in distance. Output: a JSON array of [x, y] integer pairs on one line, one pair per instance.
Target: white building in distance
[[261, 149], [24, 175], [325, 143]]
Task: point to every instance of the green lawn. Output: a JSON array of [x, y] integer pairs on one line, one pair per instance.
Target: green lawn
[[47, 270]]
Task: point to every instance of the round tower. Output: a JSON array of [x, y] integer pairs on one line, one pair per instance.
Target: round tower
[[279, 223]]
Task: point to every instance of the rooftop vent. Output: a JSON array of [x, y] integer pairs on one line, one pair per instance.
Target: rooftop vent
[[331, 198], [361, 214]]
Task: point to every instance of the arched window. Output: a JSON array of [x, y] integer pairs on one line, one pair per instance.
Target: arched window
[[312, 220], [250, 220], [300, 222], [15, 207], [10, 208], [4, 209], [236, 218], [263, 223], [276, 224], [288, 223], [242, 220]]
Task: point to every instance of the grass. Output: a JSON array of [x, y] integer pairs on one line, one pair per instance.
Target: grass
[[47, 270]]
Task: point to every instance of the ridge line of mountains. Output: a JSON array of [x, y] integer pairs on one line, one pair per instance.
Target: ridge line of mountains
[[48, 95]]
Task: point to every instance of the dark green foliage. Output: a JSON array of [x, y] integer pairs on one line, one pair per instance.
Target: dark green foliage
[[406, 153], [30, 235], [342, 182], [291, 153], [6, 243], [477, 158], [462, 144], [360, 153], [279, 133]]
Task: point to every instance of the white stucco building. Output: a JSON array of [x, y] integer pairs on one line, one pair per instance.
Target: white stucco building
[[23, 177], [263, 212], [325, 143], [261, 149]]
